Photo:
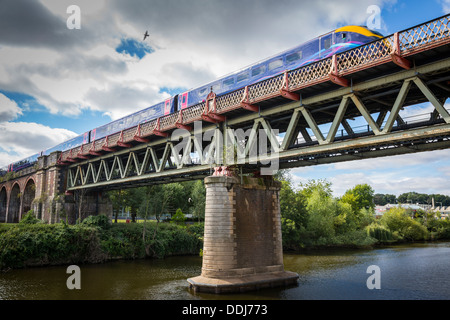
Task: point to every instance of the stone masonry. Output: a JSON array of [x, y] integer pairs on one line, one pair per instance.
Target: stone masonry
[[42, 189], [242, 247]]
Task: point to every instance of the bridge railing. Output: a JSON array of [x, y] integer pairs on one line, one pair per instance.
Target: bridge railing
[[405, 43]]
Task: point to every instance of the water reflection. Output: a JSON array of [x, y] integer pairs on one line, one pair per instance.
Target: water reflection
[[417, 271]]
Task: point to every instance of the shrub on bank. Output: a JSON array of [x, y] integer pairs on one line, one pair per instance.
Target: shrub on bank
[[92, 241], [379, 232], [42, 244], [129, 241], [402, 226]]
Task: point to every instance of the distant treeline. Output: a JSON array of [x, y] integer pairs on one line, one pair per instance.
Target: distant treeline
[[412, 197]]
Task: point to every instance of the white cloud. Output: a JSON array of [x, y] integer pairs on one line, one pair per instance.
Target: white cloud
[[9, 110], [23, 139], [395, 162], [445, 6]]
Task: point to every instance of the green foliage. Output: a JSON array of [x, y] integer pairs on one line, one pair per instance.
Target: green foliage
[[397, 219], [379, 232], [412, 197], [361, 196], [321, 186], [198, 200], [311, 216], [101, 221], [438, 228], [321, 209], [30, 218], [43, 244], [162, 239], [292, 204], [178, 217], [380, 199]]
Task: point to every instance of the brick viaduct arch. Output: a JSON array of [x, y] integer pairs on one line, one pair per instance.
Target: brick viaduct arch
[[14, 205], [16, 198], [3, 204], [28, 195]]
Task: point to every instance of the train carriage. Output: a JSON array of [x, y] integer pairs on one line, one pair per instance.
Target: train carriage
[[158, 110], [322, 47]]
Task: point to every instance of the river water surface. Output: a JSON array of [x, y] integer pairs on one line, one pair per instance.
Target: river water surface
[[408, 272]]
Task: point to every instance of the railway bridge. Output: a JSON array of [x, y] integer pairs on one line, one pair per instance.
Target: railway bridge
[[236, 141]]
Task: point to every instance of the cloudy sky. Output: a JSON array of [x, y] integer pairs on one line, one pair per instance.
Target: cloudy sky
[[57, 82]]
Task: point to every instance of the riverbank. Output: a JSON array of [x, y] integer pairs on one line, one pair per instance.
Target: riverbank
[[95, 240]]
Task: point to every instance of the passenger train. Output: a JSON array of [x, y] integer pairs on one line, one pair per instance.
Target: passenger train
[[337, 41]]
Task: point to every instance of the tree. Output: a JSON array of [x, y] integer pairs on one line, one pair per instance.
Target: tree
[[322, 186], [362, 196], [361, 200], [398, 221], [134, 198], [321, 211], [198, 200], [79, 197], [118, 199], [380, 199], [179, 217], [292, 204]]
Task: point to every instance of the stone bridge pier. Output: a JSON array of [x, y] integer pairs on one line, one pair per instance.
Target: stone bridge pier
[[242, 247]]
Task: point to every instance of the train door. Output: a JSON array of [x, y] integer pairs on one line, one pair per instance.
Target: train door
[[167, 106], [86, 138], [93, 132], [184, 100]]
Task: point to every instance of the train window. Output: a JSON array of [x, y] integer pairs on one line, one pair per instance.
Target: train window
[[293, 57], [258, 70], [228, 82], [344, 35], [242, 76], [216, 87], [275, 64], [326, 43], [204, 91]]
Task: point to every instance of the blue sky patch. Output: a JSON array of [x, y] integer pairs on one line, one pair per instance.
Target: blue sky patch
[[172, 91], [33, 111], [134, 48]]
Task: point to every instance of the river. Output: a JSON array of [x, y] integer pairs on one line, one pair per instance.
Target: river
[[408, 272]]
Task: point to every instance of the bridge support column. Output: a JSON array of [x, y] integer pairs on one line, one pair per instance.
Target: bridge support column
[[242, 248]]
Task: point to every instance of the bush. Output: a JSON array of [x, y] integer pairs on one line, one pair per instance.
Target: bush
[[92, 241], [440, 229], [379, 232], [178, 217], [161, 239], [101, 221], [30, 218], [398, 221], [42, 244]]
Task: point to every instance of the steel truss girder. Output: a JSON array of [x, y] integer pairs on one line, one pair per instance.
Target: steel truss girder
[[112, 169]]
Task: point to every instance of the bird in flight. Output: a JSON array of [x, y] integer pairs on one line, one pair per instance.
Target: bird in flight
[[146, 35]]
